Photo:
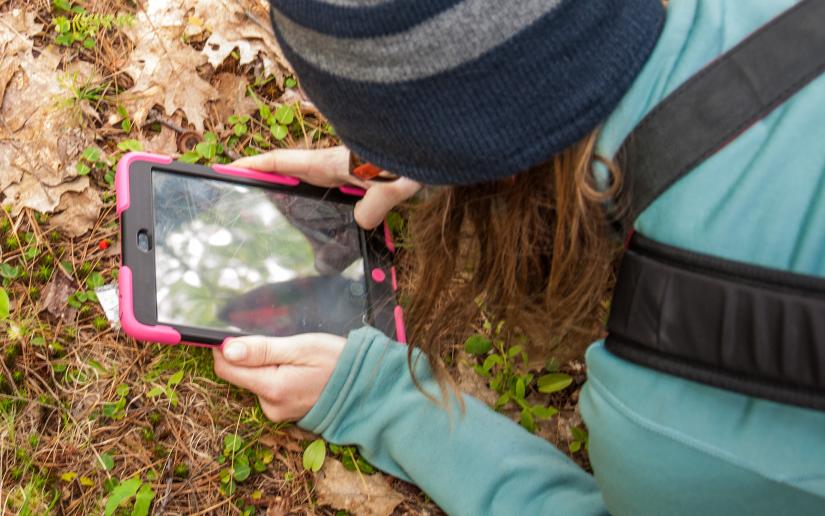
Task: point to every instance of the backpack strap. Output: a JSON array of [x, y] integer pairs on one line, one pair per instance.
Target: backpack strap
[[720, 102], [743, 328], [729, 324]]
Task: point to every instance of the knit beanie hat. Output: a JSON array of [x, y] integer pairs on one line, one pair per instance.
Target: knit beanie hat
[[465, 91]]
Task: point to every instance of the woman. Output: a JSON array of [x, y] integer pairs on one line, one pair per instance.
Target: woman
[[527, 104]]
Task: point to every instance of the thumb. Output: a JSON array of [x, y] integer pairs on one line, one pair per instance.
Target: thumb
[[256, 351], [381, 198]]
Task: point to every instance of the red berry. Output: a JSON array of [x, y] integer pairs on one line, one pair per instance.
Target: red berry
[[103, 245]]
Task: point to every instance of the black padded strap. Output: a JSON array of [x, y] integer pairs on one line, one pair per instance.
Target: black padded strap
[[733, 325], [720, 102]]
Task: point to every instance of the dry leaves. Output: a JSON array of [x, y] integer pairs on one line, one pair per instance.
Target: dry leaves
[[242, 25], [55, 295], [14, 42], [233, 98], [163, 67], [164, 143], [370, 495], [80, 213], [41, 132]]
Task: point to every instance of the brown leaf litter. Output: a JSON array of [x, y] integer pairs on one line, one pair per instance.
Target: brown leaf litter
[[163, 67], [40, 137], [370, 495], [55, 297], [241, 25]]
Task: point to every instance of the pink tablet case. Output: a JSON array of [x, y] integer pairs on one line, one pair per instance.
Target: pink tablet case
[[166, 334]]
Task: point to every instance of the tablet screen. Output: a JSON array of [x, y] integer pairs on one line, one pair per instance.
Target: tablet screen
[[231, 257]]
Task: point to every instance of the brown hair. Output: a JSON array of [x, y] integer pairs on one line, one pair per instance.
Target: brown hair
[[533, 250]]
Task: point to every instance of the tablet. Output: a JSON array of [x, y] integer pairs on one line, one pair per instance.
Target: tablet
[[214, 252]]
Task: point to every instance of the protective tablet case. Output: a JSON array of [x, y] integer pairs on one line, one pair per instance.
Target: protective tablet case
[[380, 275]]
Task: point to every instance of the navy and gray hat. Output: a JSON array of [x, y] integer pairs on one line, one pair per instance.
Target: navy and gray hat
[[465, 91]]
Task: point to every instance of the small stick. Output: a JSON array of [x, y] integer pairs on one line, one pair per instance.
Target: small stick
[[154, 117]]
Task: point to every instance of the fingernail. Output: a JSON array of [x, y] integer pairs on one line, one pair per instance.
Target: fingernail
[[234, 351]]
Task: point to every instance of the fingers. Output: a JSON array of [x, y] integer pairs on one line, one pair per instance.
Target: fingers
[[380, 198], [256, 379], [323, 167], [330, 167]]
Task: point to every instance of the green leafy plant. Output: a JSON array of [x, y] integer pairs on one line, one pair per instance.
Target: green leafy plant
[[168, 389], [77, 299], [122, 492], [506, 372], [242, 461], [106, 461], [397, 225], [91, 160], [88, 160], [68, 6], [126, 123], [240, 125], [580, 438], [205, 151], [10, 272], [4, 304], [130, 146], [314, 455], [80, 26], [279, 120], [351, 459], [117, 409], [554, 382]]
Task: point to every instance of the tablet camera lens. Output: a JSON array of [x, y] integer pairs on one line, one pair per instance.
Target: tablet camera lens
[[144, 243], [356, 289]]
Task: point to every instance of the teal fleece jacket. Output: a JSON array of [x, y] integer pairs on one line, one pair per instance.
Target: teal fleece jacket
[[658, 444]]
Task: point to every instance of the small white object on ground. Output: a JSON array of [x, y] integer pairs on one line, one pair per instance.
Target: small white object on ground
[[107, 296]]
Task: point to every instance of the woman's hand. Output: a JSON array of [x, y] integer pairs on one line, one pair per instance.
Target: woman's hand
[[329, 168], [287, 373]]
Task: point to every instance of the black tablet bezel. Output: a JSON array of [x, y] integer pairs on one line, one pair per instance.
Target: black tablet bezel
[[140, 217]]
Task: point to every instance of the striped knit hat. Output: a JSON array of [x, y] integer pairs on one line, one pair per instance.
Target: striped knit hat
[[465, 91]]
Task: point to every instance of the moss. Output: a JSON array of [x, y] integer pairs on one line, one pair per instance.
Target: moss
[[181, 470], [11, 354], [12, 243]]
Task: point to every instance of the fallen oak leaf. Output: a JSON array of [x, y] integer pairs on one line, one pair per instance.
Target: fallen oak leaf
[[340, 488], [163, 68], [42, 136], [164, 143], [233, 98], [80, 212], [16, 30], [238, 24], [31, 193], [55, 295]]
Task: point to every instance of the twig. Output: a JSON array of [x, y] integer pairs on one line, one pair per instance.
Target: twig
[[154, 117], [165, 500]]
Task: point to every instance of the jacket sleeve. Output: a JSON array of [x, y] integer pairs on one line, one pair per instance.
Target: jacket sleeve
[[475, 462]]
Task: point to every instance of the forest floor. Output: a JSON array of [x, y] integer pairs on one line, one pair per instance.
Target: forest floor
[[93, 422]]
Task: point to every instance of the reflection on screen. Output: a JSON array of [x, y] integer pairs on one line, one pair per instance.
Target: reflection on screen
[[236, 258]]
